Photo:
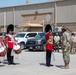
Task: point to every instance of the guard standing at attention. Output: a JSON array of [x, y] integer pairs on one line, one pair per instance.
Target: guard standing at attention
[[49, 44]]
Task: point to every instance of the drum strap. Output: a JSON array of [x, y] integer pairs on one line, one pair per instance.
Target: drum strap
[[2, 45], [11, 37], [16, 56]]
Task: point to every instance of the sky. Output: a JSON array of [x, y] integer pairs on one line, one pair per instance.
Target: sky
[[4, 3]]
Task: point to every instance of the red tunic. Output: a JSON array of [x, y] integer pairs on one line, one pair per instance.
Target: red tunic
[[8, 41], [49, 46]]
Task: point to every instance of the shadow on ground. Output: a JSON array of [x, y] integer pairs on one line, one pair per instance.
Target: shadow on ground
[[15, 63], [34, 50], [2, 65]]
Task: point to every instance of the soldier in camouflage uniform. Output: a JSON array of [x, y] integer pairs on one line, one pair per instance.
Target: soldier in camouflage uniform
[[66, 46]]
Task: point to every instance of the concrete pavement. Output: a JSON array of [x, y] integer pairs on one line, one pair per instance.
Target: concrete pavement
[[33, 63]]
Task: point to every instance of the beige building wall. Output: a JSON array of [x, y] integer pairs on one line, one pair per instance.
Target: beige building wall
[[66, 14], [36, 18], [66, 11], [1, 16], [63, 12]]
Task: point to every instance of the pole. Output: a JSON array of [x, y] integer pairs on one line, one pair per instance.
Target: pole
[[4, 21], [43, 25], [14, 17], [53, 58], [55, 15]]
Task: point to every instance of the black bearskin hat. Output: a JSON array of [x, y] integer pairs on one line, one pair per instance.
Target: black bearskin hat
[[10, 28], [48, 27]]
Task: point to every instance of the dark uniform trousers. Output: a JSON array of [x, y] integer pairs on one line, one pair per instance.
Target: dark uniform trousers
[[48, 57], [9, 57]]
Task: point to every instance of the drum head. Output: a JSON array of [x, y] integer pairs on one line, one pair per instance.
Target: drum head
[[2, 49], [16, 47]]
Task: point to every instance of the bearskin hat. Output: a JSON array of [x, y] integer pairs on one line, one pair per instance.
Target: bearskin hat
[[10, 28], [48, 27]]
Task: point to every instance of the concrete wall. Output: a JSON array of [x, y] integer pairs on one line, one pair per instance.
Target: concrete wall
[[17, 12], [65, 12], [9, 16], [2, 16]]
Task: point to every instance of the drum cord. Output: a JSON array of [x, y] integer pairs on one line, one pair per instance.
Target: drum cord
[[17, 55]]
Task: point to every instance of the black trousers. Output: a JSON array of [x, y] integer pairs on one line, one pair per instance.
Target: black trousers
[[9, 57], [48, 57]]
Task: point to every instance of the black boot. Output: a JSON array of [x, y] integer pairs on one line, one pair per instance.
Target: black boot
[[12, 61], [9, 60]]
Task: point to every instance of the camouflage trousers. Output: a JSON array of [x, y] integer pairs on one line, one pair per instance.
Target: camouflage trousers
[[73, 48], [66, 54]]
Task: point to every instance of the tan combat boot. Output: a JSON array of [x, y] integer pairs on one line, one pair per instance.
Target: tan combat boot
[[65, 66]]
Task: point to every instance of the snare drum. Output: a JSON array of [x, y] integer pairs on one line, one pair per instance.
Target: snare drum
[[17, 49], [2, 51]]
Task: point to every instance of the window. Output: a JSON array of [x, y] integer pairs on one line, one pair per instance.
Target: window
[[20, 35], [2, 33], [31, 34], [40, 35]]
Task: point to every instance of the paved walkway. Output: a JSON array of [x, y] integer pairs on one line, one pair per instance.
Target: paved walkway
[[33, 63]]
